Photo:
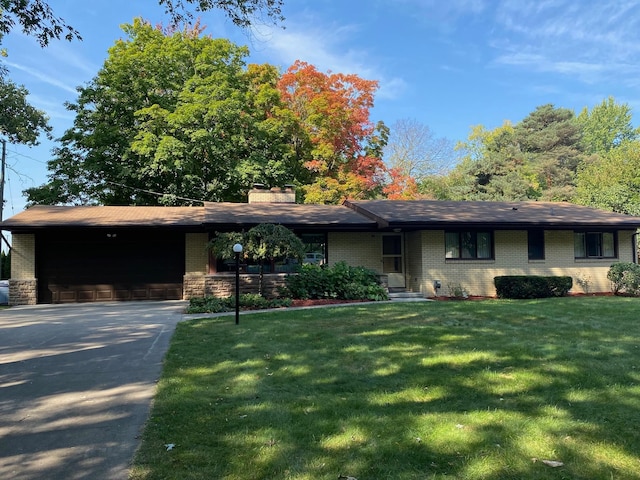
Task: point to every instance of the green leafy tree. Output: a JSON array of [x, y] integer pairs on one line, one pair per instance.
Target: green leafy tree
[[242, 13], [534, 159], [173, 117], [36, 17], [606, 126], [6, 264], [612, 182], [20, 122], [263, 243], [494, 168]]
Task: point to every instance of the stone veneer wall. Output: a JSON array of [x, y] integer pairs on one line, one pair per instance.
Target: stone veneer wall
[[193, 286], [223, 285], [23, 292]]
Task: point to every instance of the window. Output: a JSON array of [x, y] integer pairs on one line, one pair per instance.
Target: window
[[469, 245], [315, 248], [392, 254], [594, 244], [535, 240]]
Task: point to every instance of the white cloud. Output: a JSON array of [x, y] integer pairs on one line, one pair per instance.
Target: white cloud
[[43, 77], [590, 41], [325, 47]]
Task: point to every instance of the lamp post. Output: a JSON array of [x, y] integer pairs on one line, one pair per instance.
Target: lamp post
[[237, 250]]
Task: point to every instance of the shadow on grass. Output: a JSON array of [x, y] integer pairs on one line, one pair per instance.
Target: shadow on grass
[[453, 390]]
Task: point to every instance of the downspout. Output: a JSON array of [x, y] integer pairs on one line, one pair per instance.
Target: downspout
[[634, 244]]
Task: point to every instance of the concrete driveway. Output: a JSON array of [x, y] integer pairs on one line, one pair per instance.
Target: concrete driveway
[[76, 383]]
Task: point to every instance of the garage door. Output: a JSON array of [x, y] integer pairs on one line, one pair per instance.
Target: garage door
[[105, 266]]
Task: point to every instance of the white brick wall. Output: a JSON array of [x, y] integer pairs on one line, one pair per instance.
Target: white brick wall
[[357, 249], [425, 260], [196, 255], [23, 256]]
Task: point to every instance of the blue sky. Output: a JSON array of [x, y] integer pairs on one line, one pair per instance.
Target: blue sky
[[447, 64]]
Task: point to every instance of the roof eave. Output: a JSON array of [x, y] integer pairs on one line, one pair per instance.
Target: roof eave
[[439, 225]]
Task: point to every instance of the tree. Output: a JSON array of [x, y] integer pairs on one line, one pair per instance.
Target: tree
[[606, 126], [340, 146], [400, 186], [551, 140], [173, 117], [265, 242], [494, 168], [20, 122], [612, 182], [36, 18], [416, 152], [242, 13], [413, 154], [5, 261]]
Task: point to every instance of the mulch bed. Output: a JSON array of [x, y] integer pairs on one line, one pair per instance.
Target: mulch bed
[[477, 297], [321, 301]]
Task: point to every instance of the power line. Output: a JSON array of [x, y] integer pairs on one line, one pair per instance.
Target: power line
[[13, 152], [151, 192]]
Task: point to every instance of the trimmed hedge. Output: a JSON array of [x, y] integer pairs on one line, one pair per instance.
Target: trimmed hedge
[[531, 286]]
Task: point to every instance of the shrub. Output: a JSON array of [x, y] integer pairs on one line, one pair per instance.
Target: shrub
[[248, 301], [340, 281], [532, 286], [456, 290], [625, 277]]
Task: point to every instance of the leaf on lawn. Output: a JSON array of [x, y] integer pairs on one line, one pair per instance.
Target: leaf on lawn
[[550, 463], [169, 446], [271, 443]]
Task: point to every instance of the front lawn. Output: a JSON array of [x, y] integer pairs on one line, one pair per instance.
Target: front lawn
[[494, 389]]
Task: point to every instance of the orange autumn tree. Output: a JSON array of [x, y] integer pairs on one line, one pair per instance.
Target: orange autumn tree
[[344, 154], [401, 186]]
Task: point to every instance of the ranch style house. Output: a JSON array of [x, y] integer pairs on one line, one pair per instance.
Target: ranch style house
[[106, 253]]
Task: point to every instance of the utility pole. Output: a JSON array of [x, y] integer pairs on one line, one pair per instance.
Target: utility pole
[[2, 169]]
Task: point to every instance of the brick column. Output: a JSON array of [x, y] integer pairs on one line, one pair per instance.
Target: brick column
[[23, 286]]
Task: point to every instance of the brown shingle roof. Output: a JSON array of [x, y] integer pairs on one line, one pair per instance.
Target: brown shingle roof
[[41, 216], [213, 214], [437, 214], [288, 214], [354, 215]]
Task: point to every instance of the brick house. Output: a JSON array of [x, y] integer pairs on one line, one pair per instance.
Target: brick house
[[104, 253]]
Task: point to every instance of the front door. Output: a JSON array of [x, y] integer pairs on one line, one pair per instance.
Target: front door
[[393, 259]]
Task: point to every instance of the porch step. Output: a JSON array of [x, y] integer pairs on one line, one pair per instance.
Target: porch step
[[402, 294]]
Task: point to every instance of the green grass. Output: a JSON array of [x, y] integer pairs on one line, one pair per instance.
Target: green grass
[[403, 391]]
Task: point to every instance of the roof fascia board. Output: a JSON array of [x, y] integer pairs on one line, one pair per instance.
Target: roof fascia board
[[381, 222]]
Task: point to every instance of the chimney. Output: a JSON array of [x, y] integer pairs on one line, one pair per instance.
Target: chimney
[[260, 194]]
